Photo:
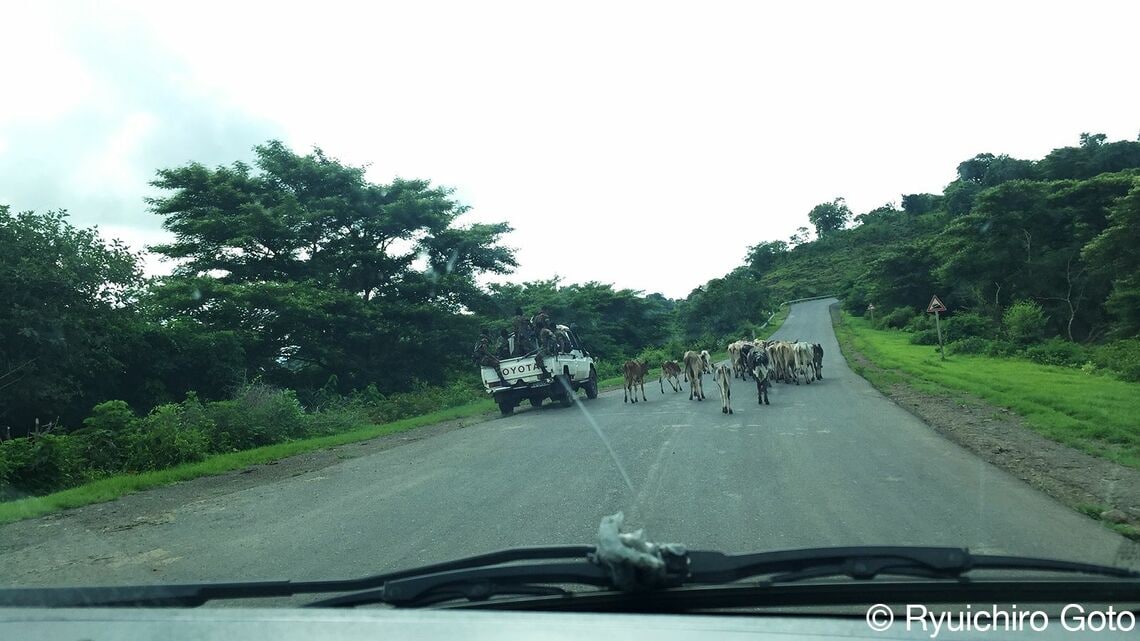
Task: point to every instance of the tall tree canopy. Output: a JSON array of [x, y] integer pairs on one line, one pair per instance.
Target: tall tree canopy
[[320, 272], [829, 217], [65, 318]]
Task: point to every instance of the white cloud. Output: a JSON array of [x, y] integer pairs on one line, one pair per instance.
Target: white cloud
[[615, 137]]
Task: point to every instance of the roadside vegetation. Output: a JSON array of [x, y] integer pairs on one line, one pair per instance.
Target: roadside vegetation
[[1091, 410]]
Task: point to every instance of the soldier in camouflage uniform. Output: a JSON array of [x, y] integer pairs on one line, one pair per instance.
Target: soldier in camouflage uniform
[[503, 345], [541, 321], [523, 333], [484, 357]]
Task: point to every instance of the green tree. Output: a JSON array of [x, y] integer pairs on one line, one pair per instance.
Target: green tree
[[725, 306], [918, 204], [316, 272], [763, 257], [65, 320], [612, 322], [829, 217], [1114, 253], [960, 195]]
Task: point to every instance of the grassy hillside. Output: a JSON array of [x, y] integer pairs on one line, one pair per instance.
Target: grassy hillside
[[1094, 413]]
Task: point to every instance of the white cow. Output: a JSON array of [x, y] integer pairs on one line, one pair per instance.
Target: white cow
[[804, 358], [706, 359], [723, 378]]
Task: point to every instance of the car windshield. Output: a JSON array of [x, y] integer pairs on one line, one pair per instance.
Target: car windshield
[[329, 291]]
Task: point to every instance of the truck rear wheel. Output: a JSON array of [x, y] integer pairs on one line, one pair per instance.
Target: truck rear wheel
[[591, 384], [506, 406], [562, 391]]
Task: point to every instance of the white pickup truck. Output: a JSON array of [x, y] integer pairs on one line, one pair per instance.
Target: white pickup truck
[[571, 368]]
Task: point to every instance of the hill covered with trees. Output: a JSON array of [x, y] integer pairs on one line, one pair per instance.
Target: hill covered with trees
[[1038, 257]]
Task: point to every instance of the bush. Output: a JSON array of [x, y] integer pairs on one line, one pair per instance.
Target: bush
[[39, 464], [170, 435], [380, 408], [336, 420], [1024, 322], [919, 323], [707, 341], [924, 337], [855, 301], [1058, 351], [968, 345], [1000, 348], [896, 319], [1122, 357], [112, 416], [259, 415], [104, 443], [103, 452], [967, 324]]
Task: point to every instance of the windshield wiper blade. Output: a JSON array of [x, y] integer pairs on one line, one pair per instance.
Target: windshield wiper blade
[[867, 562], [476, 584], [193, 595], [697, 568], [531, 571]]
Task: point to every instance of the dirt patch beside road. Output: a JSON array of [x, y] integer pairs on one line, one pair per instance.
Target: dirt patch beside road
[[1097, 487]]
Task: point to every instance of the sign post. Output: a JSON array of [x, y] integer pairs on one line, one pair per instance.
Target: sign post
[[871, 308], [936, 307]]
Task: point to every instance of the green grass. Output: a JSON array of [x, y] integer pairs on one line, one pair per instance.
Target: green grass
[[1098, 415], [111, 488]]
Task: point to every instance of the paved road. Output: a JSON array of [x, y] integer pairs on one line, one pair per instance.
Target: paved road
[[833, 463]]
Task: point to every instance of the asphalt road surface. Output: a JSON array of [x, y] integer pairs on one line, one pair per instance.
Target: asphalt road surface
[[831, 463]]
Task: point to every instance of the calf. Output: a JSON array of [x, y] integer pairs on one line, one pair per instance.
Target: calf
[[634, 372], [760, 366], [670, 371], [734, 354], [817, 360], [723, 379], [692, 361]]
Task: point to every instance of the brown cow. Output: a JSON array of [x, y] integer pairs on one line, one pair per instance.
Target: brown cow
[[635, 372], [670, 371], [693, 368]]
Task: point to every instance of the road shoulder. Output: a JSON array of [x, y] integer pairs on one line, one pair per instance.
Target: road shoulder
[[1099, 488], [135, 509]]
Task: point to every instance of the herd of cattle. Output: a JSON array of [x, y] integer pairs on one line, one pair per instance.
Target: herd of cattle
[[761, 360]]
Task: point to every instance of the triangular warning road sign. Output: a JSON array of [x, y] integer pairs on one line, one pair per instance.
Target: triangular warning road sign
[[935, 305]]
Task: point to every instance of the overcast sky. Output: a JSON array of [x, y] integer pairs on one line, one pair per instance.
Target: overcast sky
[[643, 144]]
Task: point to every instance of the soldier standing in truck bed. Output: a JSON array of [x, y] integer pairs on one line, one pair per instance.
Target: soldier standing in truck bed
[[523, 331], [541, 321]]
